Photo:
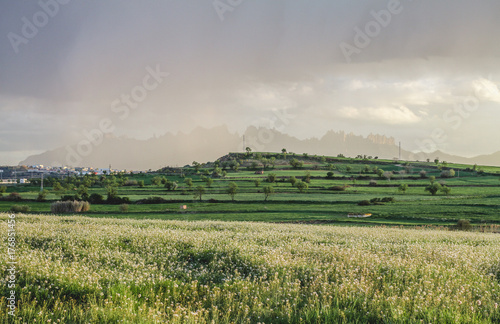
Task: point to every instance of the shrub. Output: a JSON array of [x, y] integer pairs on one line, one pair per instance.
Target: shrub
[[364, 203], [115, 200], [74, 206], [152, 200], [14, 196], [388, 199], [124, 208], [448, 173], [96, 198], [130, 183], [464, 225], [339, 188], [42, 195], [20, 208], [373, 183], [70, 197]]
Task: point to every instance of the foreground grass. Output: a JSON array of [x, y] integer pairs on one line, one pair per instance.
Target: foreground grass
[[80, 270]]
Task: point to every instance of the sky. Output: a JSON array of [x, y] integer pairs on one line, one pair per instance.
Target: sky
[[424, 72]]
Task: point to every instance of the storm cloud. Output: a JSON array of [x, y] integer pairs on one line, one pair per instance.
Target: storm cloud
[[399, 68]]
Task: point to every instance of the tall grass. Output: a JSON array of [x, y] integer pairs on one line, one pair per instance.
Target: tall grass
[[80, 270]]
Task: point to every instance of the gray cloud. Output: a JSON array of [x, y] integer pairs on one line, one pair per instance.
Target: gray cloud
[[264, 55]]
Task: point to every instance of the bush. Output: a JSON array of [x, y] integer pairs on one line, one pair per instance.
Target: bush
[[74, 206], [96, 198], [339, 188], [364, 203], [14, 196], [42, 195], [464, 225], [115, 200], [124, 208], [152, 200], [330, 175], [448, 173], [373, 183], [388, 199], [70, 197], [129, 183], [20, 208]]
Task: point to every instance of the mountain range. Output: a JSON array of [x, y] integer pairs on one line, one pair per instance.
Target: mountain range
[[203, 145]]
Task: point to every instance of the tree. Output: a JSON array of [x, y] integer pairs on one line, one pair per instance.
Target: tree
[[448, 173], [271, 177], [403, 188], [292, 180], [199, 192], [329, 175], [111, 192], [249, 151], [302, 186], [188, 182], [232, 190], [196, 166], [296, 163], [171, 185], [156, 181], [140, 183], [445, 190], [436, 161], [388, 175], [283, 151], [42, 195], [3, 189], [307, 177], [272, 161], [264, 162], [380, 173], [209, 181], [433, 188], [268, 190], [256, 182], [57, 187], [423, 174], [432, 179]]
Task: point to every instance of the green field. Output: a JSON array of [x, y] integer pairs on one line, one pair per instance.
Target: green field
[[74, 269], [474, 192]]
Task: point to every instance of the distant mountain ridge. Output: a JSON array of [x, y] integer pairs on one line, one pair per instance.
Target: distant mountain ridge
[[203, 145]]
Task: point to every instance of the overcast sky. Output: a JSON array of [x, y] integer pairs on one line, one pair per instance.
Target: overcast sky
[[425, 72]]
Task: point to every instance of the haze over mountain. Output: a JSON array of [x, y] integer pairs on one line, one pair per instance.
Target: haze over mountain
[[204, 145]]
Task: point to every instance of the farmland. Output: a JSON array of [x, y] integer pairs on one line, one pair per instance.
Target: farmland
[[334, 188]]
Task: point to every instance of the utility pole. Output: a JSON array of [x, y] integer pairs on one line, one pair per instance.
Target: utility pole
[[41, 183]]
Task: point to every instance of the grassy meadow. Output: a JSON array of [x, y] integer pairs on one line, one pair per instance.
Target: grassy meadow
[[75, 269]]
